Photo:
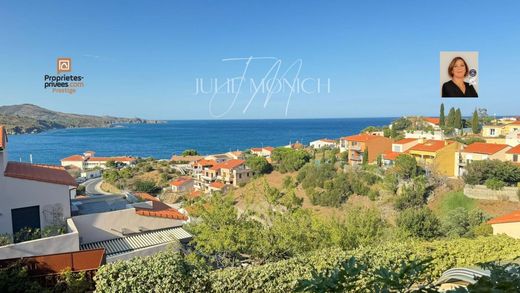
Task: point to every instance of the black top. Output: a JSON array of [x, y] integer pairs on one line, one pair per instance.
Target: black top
[[450, 89]]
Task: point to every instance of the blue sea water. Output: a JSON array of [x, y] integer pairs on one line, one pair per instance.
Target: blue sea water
[[162, 140]]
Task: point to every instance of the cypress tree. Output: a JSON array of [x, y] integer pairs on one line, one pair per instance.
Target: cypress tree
[[441, 116], [475, 127], [457, 120], [451, 118]]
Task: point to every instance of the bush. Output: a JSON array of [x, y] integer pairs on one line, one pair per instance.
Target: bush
[[164, 272], [289, 160], [462, 223], [478, 172], [420, 223], [190, 152], [145, 186], [259, 165], [494, 184]]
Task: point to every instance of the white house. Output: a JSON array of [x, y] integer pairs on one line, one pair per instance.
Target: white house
[[324, 142], [89, 161], [32, 196]]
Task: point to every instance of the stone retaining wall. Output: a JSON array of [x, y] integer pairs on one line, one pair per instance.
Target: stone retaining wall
[[482, 192]]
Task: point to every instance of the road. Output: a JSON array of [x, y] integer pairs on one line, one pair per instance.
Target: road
[[92, 187]]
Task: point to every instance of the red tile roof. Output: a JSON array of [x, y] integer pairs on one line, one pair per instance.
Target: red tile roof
[[194, 194], [73, 158], [42, 173], [115, 159], [361, 137], [430, 145], [270, 149], [405, 140], [484, 148], [217, 184], [509, 218], [159, 208], [204, 162], [256, 149], [229, 164], [515, 150], [181, 181], [79, 158], [3, 137], [389, 155], [435, 121], [516, 122]]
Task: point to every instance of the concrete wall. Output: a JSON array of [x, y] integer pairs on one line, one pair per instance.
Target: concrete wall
[[20, 193], [510, 229], [111, 225], [50, 245], [482, 192]]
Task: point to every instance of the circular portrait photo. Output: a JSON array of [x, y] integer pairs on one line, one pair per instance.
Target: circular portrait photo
[[459, 74]]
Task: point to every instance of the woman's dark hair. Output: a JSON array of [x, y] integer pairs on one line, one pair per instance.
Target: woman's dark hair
[[452, 64]]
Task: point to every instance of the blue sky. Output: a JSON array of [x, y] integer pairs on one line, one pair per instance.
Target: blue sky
[[142, 58]]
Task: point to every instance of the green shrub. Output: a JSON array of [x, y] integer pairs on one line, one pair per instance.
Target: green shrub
[[164, 272], [494, 184], [478, 172], [420, 223]]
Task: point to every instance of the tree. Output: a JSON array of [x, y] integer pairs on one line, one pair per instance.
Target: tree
[[406, 166], [288, 159], [190, 152], [420, 223], [111, 164], [401, 124], [475, 127], [457, 120], [441, 116], [451, 118], [365, 156], [259, 165]]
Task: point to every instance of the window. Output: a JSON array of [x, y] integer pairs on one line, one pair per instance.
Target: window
[[492, 131], [515, 158]]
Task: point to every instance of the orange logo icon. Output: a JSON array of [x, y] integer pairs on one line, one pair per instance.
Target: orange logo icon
[[64, 65]]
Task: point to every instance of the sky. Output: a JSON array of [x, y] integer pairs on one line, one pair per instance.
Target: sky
[[145, 58]]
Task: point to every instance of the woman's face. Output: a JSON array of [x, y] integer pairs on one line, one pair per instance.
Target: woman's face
[[459, 70]]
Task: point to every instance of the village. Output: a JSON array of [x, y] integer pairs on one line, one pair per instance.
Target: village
[[108, 209]]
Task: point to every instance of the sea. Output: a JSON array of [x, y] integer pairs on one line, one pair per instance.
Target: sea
[[161, 141]]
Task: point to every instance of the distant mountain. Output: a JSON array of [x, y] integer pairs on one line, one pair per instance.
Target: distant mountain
[[28, 118]]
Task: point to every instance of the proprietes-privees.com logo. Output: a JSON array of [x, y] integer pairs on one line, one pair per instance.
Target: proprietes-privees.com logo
[[63, 83]]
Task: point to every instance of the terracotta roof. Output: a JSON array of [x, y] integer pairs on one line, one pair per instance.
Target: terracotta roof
[[256, 149], [430, 145], [435, 121], [389, 155], [42, 173], [361, 137], [74, 158], [516, 122], [181, 181], [159, 208], [484, 148], [405, 140], [509, 218], [145, 196], [3, 137], [79, 158], [217, 184], [515, 150], [229, 164], [269, 148], [115, 159], [194, 194], [204, 162]]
